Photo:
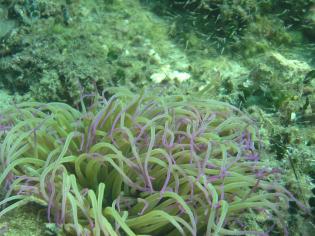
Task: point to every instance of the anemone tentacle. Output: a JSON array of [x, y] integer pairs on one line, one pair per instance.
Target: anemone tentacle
[[138, 165]]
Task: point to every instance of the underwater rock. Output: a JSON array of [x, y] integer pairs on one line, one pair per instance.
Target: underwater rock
[[288, 67], [246, 27], [167, 73], [277, 82]]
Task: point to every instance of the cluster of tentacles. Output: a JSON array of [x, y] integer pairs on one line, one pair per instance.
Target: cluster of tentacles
[[138, 165]]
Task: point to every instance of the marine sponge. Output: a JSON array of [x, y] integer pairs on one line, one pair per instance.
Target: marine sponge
[[138, 165]]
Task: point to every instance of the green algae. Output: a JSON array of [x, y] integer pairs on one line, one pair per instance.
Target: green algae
[[89, 51], [24, 221]]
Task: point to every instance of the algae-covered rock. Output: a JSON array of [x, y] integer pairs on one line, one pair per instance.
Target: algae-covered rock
[[276, 82], [72, 48], [23, 221], [247, 27], [289, 68]]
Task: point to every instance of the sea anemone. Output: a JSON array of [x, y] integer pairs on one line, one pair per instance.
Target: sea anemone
[[139, 165]]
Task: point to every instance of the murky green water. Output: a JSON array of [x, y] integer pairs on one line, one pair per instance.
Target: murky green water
[[256, 55]]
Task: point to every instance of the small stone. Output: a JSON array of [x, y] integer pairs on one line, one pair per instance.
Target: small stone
[[158, 77], [154, 57], [247, 84], [180, 76], [293, 116]]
